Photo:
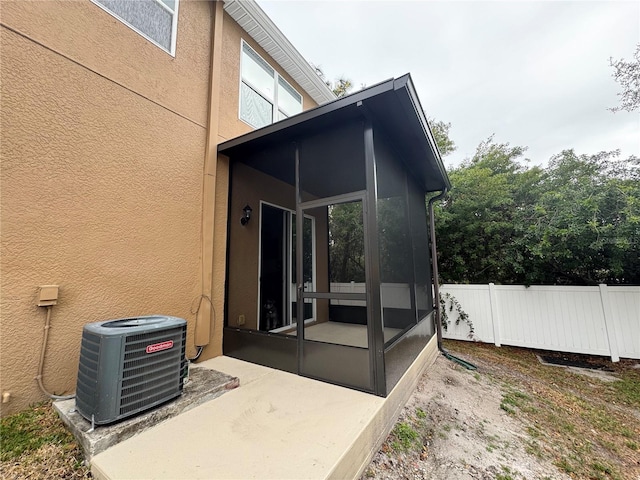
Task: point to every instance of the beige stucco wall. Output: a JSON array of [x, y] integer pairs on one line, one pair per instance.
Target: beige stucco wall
[[91, 37], [103, 138], [103, 141]]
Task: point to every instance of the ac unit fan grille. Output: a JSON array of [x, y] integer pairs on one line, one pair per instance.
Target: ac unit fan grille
[[151, 378]]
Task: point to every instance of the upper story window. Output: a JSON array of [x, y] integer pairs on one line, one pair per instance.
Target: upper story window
[[156, 20], [265, 97]]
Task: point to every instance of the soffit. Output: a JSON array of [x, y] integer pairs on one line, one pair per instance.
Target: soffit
[[261, 28]]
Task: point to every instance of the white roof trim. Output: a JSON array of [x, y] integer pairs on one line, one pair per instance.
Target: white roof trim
[[261, 28]]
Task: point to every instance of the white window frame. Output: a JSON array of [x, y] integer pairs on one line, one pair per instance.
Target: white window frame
[[174, 25], [276, 77]]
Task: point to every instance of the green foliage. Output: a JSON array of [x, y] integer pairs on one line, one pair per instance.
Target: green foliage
[[29, 430], [575, 222], [627, 74], [476, 224], [440, 132], [346, 243], [340, 87], [566, 465], [449, 303], [506, 474], [512, 399], [628, 389], [587, 223], [405, 436]]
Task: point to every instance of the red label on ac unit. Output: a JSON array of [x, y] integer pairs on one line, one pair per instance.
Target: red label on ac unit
[[158, 347]]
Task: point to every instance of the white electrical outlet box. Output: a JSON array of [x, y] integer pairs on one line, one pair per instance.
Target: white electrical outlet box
[[47, 295]]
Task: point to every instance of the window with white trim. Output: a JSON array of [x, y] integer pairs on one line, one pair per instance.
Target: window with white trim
[[265, 97], [156, 20]]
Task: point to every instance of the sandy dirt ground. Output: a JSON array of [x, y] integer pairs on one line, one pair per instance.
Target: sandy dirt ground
[[462, 433]]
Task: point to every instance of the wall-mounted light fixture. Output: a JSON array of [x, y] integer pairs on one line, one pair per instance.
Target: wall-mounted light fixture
[[247, 215]]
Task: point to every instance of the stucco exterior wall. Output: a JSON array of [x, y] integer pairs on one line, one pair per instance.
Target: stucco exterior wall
[[88, 35], [103, 138]]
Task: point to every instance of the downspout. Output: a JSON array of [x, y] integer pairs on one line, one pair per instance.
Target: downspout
[[436, 283], [434, 265]]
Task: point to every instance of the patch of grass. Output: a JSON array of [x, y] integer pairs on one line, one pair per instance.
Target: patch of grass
[[421, 414], [565, 465], [631, 445], [29, 430], [533, 431], [567, 427], [533, 448], [405, 437], [628, 389], [506, 474], [601, 469], [504, 406], [35, 444], [609, 445], [512, 399]]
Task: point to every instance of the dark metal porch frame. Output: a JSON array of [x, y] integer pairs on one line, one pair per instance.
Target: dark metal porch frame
[[393, 107]]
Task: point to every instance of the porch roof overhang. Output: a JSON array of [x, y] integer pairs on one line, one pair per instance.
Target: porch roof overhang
[[393, 106]]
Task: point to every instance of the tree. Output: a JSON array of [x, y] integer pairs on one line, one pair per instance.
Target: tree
[[576, 222], [346, 243], [587, 225], [479, 223], [627, 74], [440, 132], [340, 86]]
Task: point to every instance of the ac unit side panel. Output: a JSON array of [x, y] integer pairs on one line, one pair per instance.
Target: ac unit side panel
[[109, 375], [87, 382]]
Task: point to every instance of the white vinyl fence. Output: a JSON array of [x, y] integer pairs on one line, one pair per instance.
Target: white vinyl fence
[[602, 320]]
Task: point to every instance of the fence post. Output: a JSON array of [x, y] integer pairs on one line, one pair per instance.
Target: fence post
[[495, 317], [609, 328]]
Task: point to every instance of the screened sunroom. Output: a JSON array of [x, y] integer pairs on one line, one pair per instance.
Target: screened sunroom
[[328, 257]]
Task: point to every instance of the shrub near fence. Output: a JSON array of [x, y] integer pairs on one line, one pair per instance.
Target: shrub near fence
[[602, 320]]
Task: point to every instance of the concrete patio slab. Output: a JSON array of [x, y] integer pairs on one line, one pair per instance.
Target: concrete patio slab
[[275, 426], [204, 384]]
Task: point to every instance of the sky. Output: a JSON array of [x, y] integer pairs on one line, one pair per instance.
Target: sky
[[533, 74]]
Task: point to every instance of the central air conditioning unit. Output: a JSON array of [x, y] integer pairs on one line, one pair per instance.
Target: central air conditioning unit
[[129, 365]]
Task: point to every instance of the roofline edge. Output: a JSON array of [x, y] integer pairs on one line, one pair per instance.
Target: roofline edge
[[407, 83], [281, 44]]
